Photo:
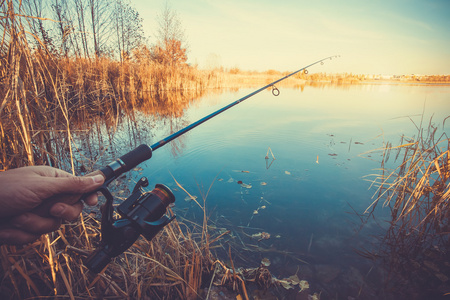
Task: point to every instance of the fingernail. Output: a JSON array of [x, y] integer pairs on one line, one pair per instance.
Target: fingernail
[[98, 178], [57, 210]]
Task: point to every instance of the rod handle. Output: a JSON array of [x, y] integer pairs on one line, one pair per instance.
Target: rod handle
[[126, 162]]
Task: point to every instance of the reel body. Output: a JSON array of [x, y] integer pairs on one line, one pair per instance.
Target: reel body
[[143, 213]]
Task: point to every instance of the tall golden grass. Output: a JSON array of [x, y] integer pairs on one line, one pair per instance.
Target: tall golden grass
[[45, 101], [48, 104], [44, 95], [417, 193]]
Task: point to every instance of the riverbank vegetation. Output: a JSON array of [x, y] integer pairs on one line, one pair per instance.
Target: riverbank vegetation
[[414, 184], [71, 68], [236, 77], [55, 76], [67, 67]]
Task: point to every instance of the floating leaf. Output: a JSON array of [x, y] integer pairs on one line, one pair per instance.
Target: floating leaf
[[265, 236], [261, 236], [314, 297], [247, 186], [304, 285], [265, 262], [294, 279], [287, 285], [190, 198]]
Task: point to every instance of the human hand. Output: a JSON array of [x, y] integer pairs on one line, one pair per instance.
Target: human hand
[[23, 189]]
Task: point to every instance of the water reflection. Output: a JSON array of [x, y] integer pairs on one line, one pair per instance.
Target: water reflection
[[306, 198]]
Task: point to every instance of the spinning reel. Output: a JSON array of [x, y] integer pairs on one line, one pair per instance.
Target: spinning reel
[[141, 213]]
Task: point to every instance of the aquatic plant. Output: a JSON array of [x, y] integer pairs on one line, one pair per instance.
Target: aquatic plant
[[417, 193]]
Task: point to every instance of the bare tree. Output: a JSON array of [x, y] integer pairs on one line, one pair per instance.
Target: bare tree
[[38, 27], [100, 13], [171, 47], [63, 24], [80, 10], [82, 27], [128, 27]]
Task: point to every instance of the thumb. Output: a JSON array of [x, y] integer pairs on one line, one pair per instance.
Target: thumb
[[79, 184]]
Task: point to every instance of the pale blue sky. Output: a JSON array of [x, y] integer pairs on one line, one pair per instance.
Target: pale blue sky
[[372, 37]]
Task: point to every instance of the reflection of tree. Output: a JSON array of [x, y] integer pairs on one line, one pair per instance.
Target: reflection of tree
[[170, 113], [177, 145], [113, 135]]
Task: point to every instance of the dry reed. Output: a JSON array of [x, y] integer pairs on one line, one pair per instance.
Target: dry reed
[[417, 192], [43, 94], [49, 106]]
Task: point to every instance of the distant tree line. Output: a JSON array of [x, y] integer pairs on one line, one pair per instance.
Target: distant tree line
[[96, 28], [64, 64]]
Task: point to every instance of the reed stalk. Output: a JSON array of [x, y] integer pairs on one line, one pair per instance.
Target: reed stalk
[[417, 193]]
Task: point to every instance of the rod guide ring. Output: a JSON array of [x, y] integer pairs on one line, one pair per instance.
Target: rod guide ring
[[275, 91]]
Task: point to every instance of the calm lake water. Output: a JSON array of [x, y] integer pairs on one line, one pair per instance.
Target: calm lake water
[[306, 197]]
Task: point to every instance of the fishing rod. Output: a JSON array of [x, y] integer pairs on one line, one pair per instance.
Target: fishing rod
[[275, 92], [144, 152], [144, 212]]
